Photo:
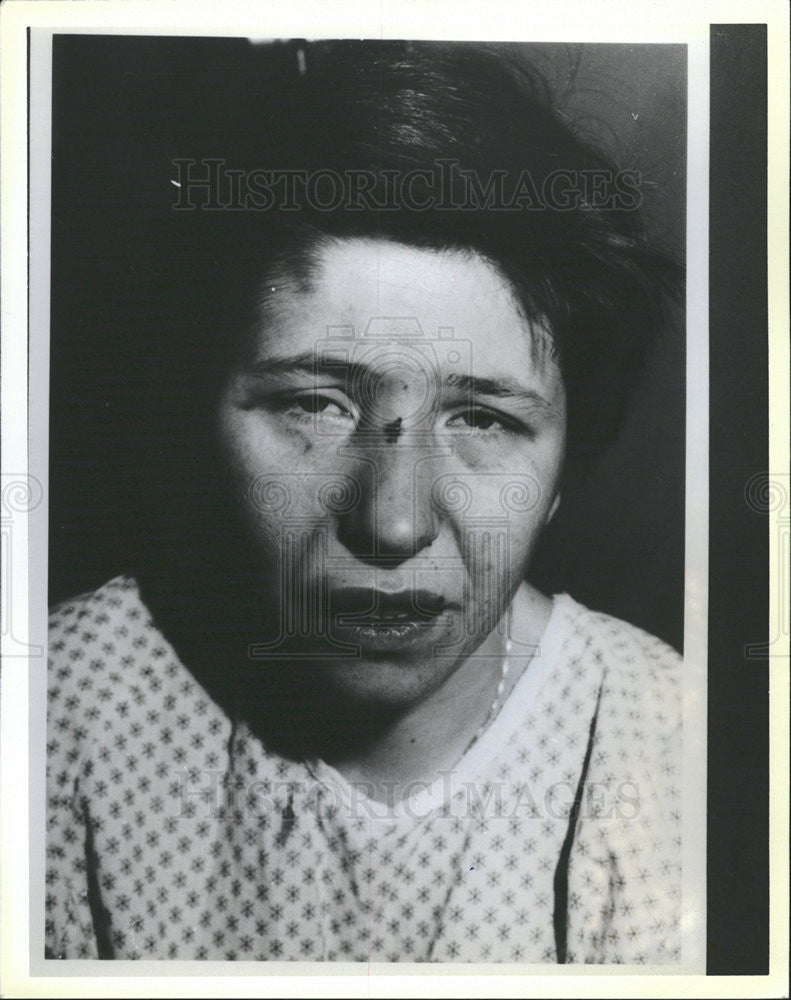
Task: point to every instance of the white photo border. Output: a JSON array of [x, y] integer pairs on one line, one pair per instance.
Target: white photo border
[[25, 565]]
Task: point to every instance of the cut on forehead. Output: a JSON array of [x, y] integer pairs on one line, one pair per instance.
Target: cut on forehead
[[298, 270]]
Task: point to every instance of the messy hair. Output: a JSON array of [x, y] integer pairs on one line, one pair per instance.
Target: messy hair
[[577, 257]]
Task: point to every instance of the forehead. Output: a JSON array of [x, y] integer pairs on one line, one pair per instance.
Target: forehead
[[393, 293]]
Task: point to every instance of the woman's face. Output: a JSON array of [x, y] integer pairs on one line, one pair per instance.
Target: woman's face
[[395, 434]]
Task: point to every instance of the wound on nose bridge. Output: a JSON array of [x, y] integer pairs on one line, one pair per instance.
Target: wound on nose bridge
[[393, 430]]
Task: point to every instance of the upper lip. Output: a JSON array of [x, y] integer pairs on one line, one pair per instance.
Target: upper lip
[[351, 605]]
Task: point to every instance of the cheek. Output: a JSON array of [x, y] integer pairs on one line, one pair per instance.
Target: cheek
[[504, 517], [250, 446], [266, 466], [497, 554], [497, 550]]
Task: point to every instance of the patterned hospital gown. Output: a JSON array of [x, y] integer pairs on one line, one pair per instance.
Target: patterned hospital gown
[[174, 834]]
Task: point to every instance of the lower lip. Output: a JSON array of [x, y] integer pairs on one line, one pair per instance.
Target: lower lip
[[383, 635]]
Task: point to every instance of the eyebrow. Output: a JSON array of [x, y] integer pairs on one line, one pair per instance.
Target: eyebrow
[[303, 362], [500, 387], [307, 363]]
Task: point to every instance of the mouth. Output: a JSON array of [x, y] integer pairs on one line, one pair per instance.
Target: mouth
[[379, 620]]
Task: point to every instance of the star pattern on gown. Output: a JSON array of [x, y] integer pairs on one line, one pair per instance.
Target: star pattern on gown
[[173, 833]]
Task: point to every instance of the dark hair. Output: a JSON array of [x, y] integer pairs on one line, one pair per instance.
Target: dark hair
[[385, 110]]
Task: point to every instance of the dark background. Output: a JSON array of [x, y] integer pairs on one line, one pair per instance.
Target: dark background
[[124, 107]]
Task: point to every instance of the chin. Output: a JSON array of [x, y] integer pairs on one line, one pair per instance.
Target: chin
[[387, 684]]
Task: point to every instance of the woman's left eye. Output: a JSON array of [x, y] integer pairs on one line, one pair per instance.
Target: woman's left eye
[[479, 419]]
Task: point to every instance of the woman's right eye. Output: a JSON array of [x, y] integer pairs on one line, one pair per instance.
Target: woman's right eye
[[317, 404]]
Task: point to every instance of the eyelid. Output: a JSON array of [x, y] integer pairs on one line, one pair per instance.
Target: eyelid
[[331, 392], [508, 422], [331, 395], [493, 411]]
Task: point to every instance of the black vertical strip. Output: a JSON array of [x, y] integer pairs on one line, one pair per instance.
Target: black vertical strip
[[102, 924], [561, 881], [738, 796]]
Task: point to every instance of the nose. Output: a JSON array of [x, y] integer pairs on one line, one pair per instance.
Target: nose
[[395, 518]]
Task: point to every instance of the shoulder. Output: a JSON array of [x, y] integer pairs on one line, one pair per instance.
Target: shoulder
[[636, 736], [98, 634], [106, 658], [619, 639], [640, 682], [632, 658], [86, 613]]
